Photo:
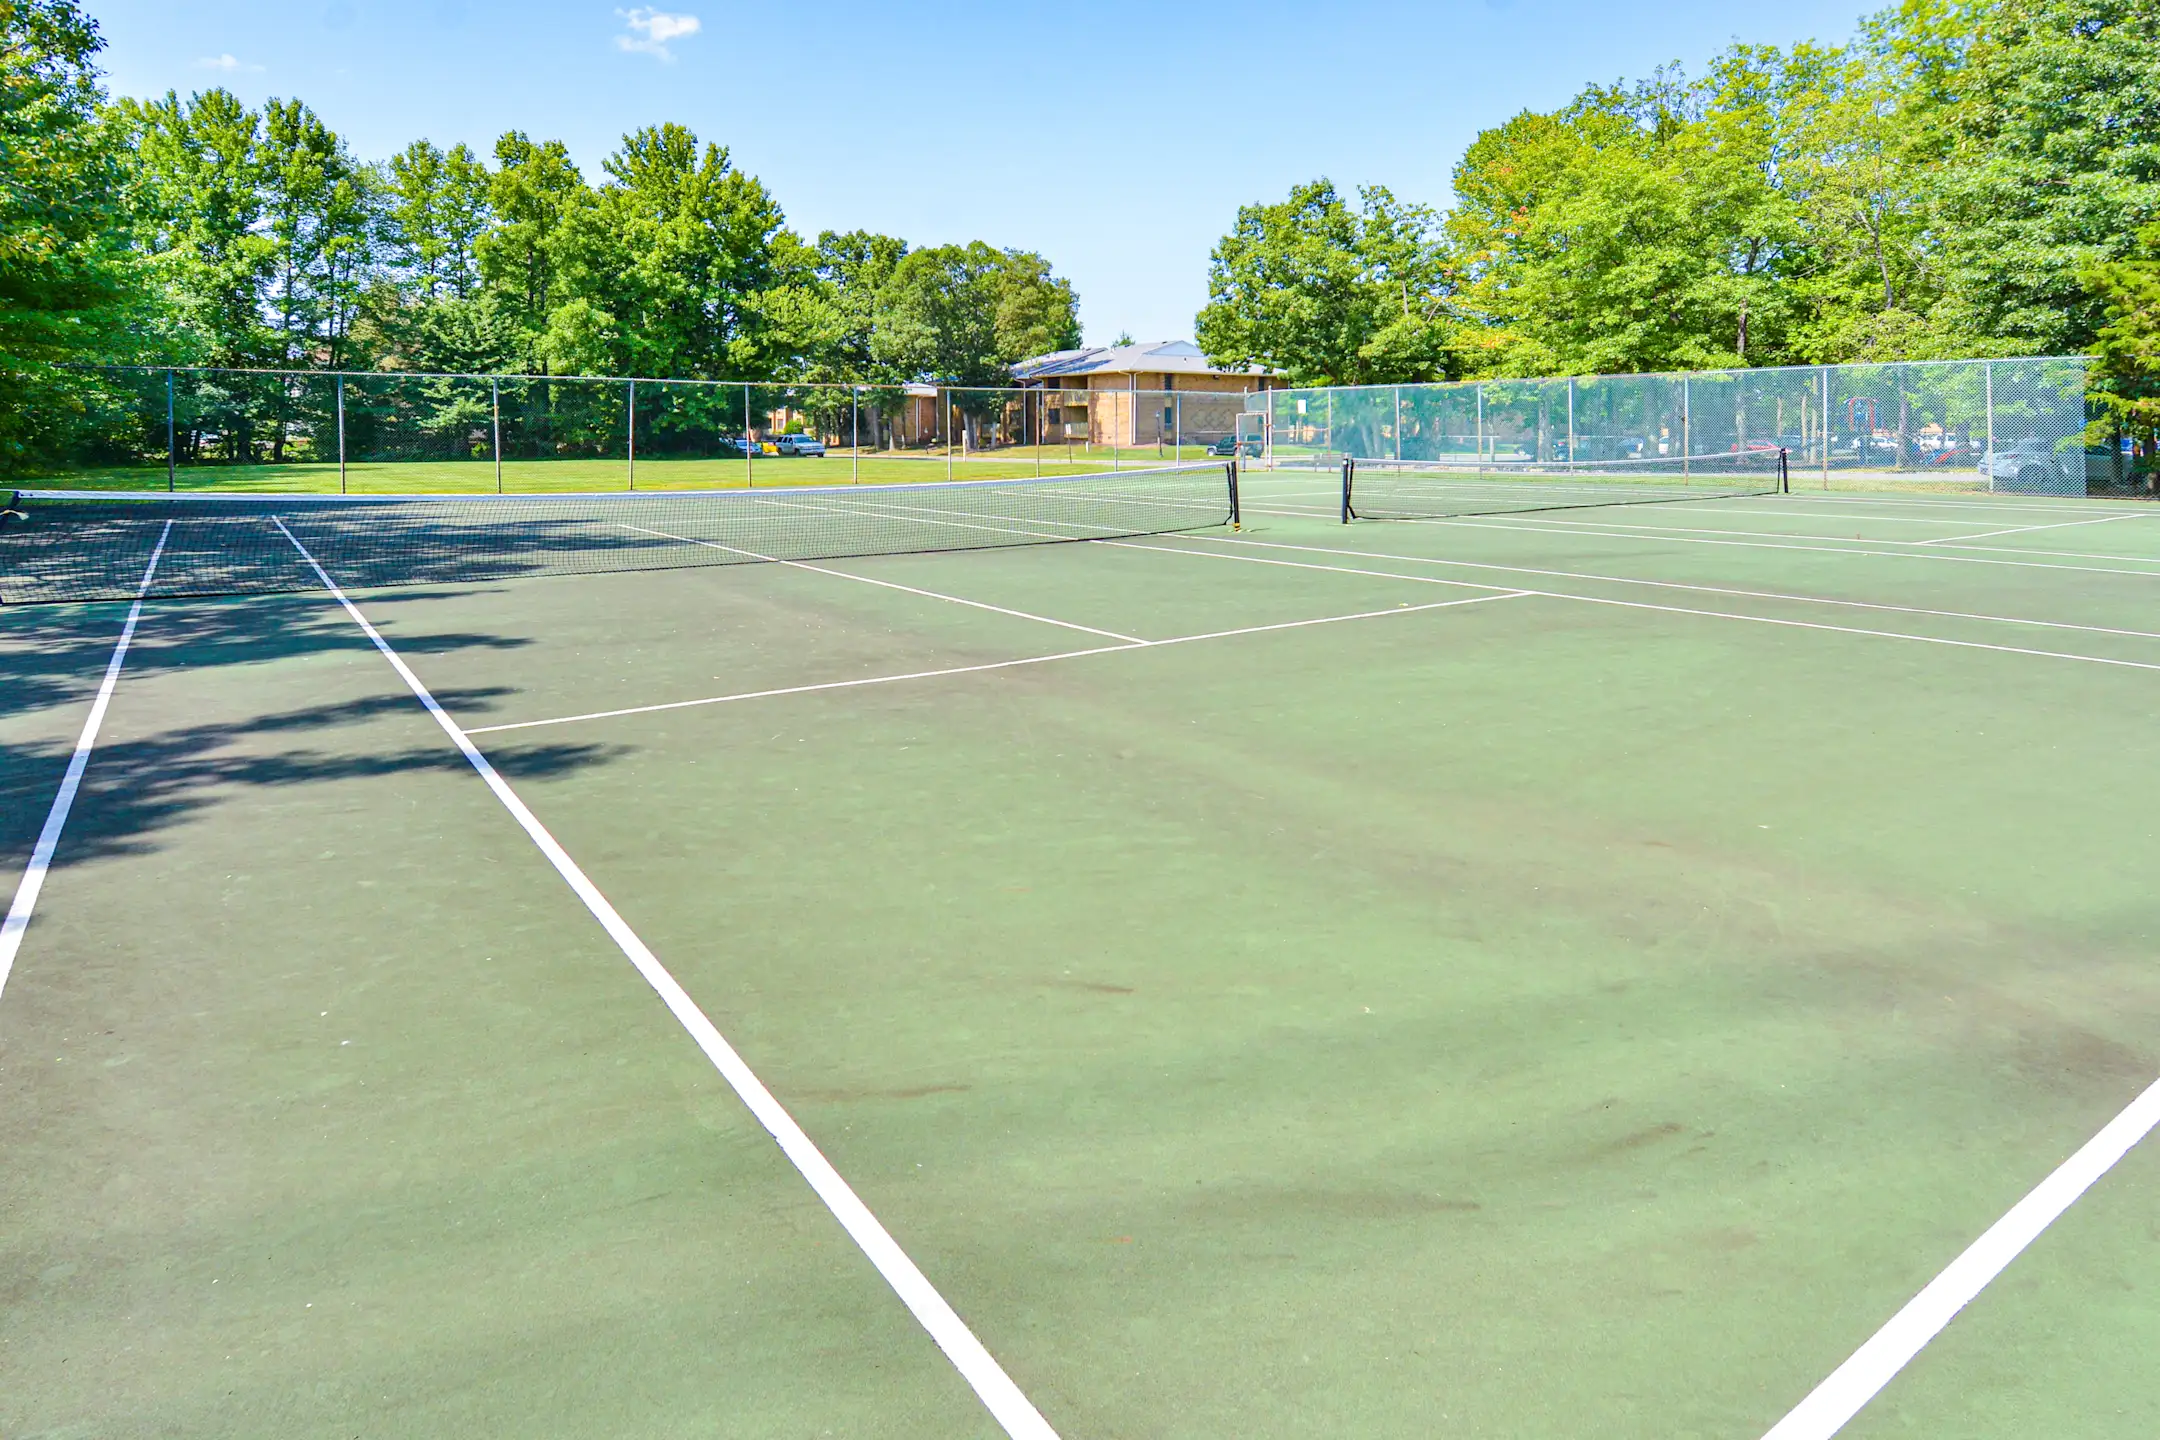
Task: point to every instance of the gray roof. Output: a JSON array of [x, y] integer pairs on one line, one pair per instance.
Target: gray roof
[[1173, 357]]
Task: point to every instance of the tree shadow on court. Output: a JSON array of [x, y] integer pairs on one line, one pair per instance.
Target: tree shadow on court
[[138, 788], [145, 778], [55, 655]]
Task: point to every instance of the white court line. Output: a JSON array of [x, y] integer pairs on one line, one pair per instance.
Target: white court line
[[992, 1385], [887, 584], [41, 854], [1849, 1387], [1567, 525], [2028, 529], [1697, 538], [1708, 507], [998, 664], [1669, 609], [1673, 585]]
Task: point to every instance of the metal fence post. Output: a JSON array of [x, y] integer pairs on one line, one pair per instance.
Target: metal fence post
[[1987, 386], [749, 459], [1398, 423], [1571, 424], [495, 411], [1132, 417], [1687, 434], [854, 396], [172, 446], [945, 420], [341, 434], [630, 431], [1479, 438], [1037, 399], [1826, 427]]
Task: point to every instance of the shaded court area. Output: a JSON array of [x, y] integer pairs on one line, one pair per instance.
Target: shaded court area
[[1513, 975]]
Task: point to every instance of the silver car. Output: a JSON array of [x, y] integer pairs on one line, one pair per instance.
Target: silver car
[[2034, 467]]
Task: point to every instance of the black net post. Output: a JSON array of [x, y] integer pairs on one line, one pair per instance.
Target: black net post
[[1349, 471], [1784, 473], [1230, 470]]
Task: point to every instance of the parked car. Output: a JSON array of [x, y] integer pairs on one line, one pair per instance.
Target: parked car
[[2034, 467], [1587, 448], [799, 445], [1232, 445]]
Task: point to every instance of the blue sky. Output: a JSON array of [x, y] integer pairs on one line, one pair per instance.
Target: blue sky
[[1117, 138]]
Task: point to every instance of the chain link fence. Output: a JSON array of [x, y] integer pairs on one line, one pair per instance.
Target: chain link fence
[[209, 429], [2020, 426]]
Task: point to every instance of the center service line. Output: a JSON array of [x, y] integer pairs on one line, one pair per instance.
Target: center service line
[[992, 1385]]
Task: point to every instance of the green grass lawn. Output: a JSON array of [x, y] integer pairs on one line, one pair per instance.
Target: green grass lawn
[[529, 477]]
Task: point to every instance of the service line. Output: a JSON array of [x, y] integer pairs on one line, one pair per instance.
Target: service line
[[1502, 594], [2028, 529], [41, 854], [888, 585]]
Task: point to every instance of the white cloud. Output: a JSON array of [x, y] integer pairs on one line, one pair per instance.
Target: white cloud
[[227, 64], [652, 30]]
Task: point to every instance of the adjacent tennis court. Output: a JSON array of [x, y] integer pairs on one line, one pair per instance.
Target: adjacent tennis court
[[1576, 971]]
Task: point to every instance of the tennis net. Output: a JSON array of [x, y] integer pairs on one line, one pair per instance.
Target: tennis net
[[1437, 489], [92, 545]]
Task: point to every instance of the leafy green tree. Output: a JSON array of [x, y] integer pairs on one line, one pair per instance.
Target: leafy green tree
[[196, 209], [937, 318], [1037, 311], [435, 209], [319, 213], [961, 315], [680, 252], [1329, 292], [2128, 343], [65, 281], [533, 193], [2052, 166], [853, 269]]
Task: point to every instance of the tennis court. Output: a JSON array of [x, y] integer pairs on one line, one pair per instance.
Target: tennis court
[[1536, 974]]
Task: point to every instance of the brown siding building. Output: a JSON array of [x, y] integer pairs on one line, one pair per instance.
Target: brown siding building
[[1139, 394]]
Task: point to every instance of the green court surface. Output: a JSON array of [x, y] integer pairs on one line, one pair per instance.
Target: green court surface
[[1534, 976]]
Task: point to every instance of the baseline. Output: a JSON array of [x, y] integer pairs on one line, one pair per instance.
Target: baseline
[[1004, 1399], [32, 883], [1004, 664]]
